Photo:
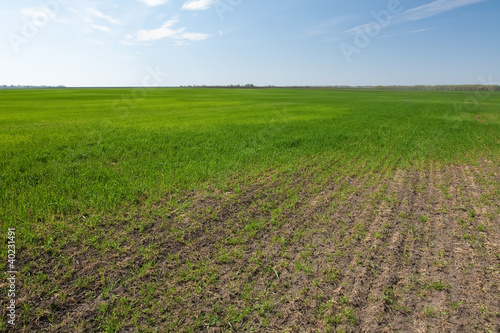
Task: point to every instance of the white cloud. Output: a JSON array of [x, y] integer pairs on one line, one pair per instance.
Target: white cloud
[[100, 15], [102, 28], [434, 8], [406, 33], [193, 36], [152, 3], [132, 43], [180, 43], [198, 4], [165, 31], [420, 30], [418, 13], [325, 27]]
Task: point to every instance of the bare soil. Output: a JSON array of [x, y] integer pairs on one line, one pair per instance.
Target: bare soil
[[413, 250]]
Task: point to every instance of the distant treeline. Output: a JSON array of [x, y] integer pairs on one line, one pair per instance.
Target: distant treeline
[[459, 87], [30, 87]]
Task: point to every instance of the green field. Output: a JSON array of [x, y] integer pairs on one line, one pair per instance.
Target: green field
[[252, 209]]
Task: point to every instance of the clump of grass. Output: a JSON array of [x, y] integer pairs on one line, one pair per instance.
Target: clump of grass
[[439, 285]]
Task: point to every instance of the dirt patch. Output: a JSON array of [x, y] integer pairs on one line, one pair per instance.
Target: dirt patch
[[413, 250]]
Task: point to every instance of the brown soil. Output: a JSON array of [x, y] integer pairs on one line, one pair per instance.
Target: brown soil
[[395, 251]]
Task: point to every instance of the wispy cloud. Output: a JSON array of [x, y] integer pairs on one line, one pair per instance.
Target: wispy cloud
[[133, 43], [325, 27], [434, 8], [198, 4], [406, 33], [102, 28], [418, 13], [102, 16], [180, 43], [165, 31], [152, 3]]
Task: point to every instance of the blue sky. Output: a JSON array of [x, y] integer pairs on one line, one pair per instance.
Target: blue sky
[[263, 42]]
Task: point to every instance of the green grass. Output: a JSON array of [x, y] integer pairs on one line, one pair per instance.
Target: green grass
[[192, 209], [71, 151]]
